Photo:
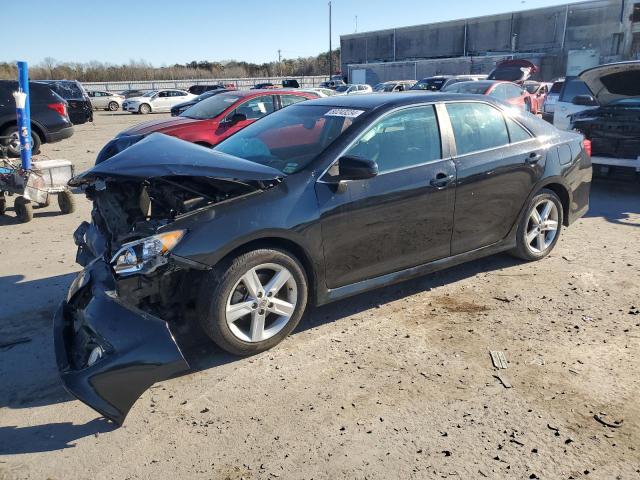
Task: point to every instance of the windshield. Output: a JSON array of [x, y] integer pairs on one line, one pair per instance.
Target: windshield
[[211, 107], [342, 88], [291, 138], [379, 87], [150, 93], [431, 84], [477, 88], [556, 87]]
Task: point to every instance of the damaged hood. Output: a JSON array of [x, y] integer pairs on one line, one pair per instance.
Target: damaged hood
[[160, 155], [613, 81]]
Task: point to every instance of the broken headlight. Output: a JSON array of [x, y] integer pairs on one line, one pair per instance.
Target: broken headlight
[[145, 255]]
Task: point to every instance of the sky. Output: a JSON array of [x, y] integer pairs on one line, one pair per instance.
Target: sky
[[165, 32]]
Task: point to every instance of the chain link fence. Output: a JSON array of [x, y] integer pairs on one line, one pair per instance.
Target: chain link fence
[[239, 83]]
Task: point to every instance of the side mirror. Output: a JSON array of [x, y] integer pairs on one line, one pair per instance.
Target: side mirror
[[237, 118], [585, 101], [356, 168]]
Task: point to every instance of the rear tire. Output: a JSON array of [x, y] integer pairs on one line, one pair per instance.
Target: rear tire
[[66, 202], [240, 308], [24, 209], [13, 145], [113, 106], [539, 228], [144, 109]]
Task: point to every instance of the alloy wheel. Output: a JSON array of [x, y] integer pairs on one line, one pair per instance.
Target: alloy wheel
[[261, 302], [542, 226]]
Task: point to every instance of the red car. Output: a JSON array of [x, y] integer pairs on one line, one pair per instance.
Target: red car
[[508, 92], [212, 120], [537, 94]]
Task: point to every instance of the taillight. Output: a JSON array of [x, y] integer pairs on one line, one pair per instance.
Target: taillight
[[61, 108], [586, 144]]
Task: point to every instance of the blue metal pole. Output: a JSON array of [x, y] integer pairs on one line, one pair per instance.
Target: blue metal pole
[[23, 110]]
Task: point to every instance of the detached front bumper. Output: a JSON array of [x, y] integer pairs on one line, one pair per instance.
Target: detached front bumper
[[135, 349]]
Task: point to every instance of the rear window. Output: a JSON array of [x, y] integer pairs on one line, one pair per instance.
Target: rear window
[[67, 90], [556, 87], [573, 88]]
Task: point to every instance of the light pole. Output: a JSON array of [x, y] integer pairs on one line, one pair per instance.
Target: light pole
[[330, 53]]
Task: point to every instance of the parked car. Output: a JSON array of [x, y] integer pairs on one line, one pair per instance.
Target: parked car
[[49, 118], [507, 92], [574, 97], [537, 94], [133, 93], [613, 127], [394, 86], [156, 101], [79, 105], [353, 89], [516, 70], [262, 86], [105, 100], [332, 84], [551, 100], [200, 89], [314, 203], [438, 82], [322, 92], [212, 120], [181, 107], [290, 83]]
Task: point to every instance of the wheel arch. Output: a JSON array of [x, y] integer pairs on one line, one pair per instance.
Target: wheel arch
[[288, 245], [563, 194]]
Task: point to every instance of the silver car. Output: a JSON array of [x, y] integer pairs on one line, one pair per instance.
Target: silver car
[[105, 100]]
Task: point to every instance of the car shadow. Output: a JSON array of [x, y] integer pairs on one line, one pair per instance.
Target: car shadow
[[615, 201], [49, 437]]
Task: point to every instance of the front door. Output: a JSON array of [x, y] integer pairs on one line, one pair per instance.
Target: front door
[[401, 218], [497, 161], [252, 110]]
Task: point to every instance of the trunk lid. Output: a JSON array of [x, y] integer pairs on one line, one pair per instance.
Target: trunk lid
[[613, 81]]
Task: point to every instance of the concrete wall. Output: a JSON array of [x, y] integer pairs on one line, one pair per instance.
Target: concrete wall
[[549, 33]]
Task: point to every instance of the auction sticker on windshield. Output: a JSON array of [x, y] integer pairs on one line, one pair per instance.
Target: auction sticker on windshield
[[343, 112]]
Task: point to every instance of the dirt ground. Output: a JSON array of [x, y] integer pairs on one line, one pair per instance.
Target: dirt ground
[[396, 383]]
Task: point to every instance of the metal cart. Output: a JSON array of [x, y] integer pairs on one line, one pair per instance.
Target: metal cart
[[35, 186]]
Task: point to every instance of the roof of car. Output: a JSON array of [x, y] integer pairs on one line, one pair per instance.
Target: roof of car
[[383, 100]]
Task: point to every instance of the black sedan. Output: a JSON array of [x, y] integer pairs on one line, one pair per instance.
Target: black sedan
[[313, 203], [181, 107]]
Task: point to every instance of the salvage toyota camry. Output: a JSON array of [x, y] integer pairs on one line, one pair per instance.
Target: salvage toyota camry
[[313, 203]]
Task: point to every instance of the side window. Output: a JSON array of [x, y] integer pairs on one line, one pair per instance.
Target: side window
[[256, 107], [287, 100], [516, 132], [498, 92], [403, 139], [477, 126], [163, 94], [513, 91]]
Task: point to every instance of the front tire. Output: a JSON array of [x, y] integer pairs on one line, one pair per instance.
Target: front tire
[[539, 229], [144, 109], [250, 303]]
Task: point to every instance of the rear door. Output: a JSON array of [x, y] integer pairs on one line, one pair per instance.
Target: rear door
[[402, 217], [497, 161]]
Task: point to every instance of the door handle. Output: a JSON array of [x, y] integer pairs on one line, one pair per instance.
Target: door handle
[[442, 180], [533, 158]]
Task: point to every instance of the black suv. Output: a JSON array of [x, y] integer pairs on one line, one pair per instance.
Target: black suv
[[49, 120], [200, 89], [80, 109]]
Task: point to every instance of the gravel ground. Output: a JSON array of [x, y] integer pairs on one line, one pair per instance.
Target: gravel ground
[[396, 383]]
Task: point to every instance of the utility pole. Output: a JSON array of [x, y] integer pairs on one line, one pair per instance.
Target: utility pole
[[330, 52], [356, 31], [280, 61]]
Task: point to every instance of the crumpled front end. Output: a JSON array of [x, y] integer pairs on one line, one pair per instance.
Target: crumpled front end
[[109, 352]]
